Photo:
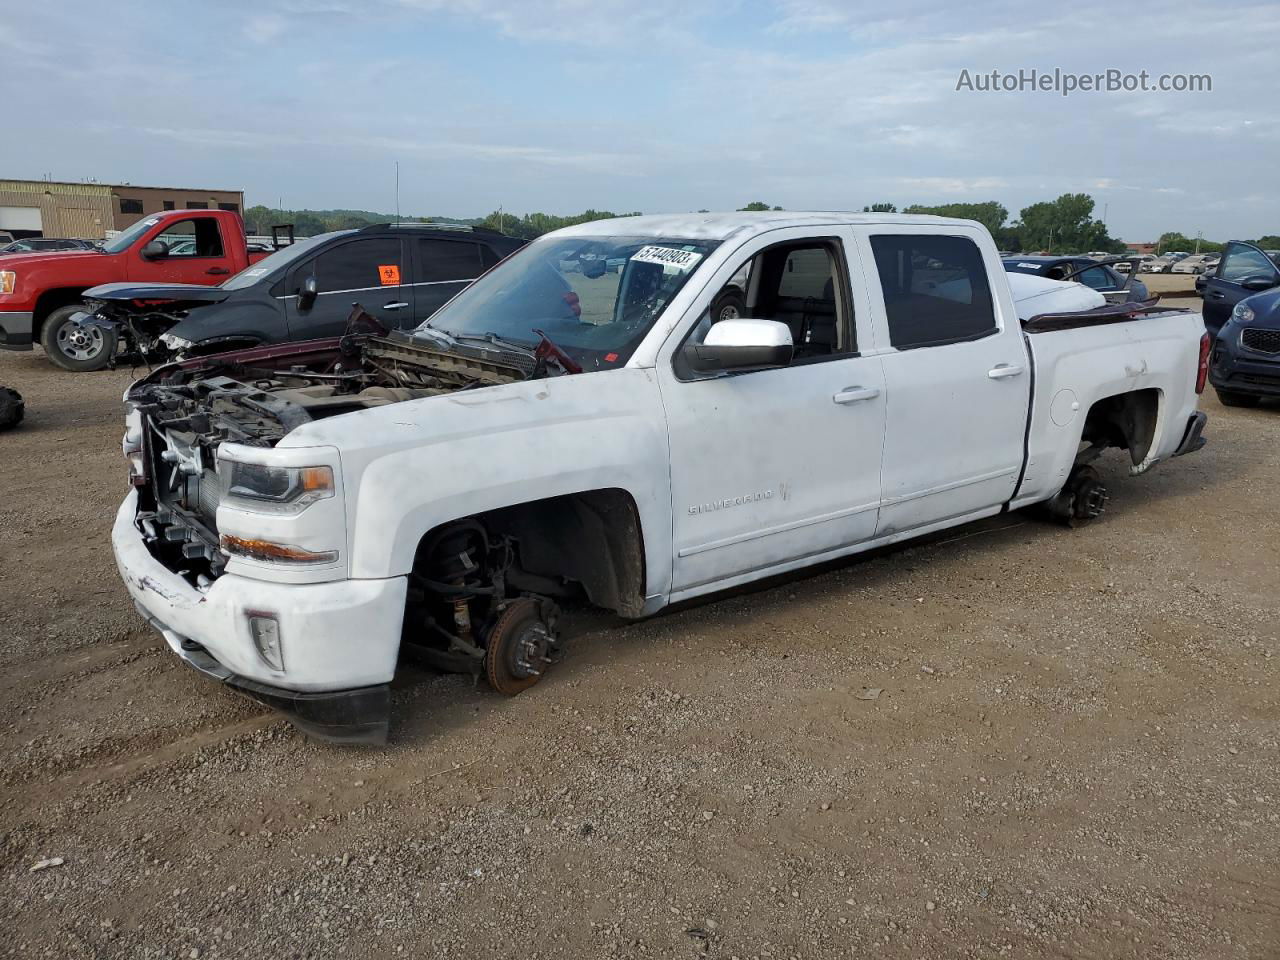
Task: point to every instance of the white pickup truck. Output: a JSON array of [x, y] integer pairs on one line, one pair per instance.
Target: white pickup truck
[[575, 427]]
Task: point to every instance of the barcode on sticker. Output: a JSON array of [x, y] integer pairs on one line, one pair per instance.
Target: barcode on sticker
[[680, 260]]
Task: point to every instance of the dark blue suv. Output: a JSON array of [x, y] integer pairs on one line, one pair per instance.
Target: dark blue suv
[[1242, 313]]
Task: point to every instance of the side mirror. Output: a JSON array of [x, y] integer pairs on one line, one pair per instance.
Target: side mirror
[[307, 293], [741, 345], [155, 250], [1259, 283]]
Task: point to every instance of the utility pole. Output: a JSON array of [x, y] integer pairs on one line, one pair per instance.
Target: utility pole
[[1199, 235]]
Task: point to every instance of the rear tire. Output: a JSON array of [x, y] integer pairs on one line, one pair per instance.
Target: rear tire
[[1229, 398], [12, 409], [75, 348]]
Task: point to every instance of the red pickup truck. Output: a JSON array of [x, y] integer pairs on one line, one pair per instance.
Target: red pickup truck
[[40, 295]]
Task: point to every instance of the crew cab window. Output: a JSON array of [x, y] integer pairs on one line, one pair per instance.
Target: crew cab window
[[798, 284], [448, 261], [1242, 262], [360, 265], [196, 237], [935, 289]]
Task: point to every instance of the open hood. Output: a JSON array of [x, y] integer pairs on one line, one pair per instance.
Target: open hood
[[184, 292]]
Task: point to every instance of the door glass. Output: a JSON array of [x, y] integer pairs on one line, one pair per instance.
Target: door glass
[[1241, 263], [935, 289], [448, 261], [797, 286], [197, 237], [1096, 277], [360, 265]]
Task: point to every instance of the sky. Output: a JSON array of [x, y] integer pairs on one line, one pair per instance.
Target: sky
[[652, 105]]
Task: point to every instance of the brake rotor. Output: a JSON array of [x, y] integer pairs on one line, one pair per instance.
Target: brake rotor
[[518, 648]]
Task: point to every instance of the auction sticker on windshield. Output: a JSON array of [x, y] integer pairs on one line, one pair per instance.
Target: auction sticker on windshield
[[680, 260]]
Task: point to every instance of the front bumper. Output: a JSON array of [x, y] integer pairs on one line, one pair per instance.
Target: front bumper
[[15, 330], [340, 639], [1236, 370]]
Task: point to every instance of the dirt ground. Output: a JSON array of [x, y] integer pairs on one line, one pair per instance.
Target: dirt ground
[[1075, 751]]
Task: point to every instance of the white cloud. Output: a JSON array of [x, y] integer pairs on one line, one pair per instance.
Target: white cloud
[[264, 27]]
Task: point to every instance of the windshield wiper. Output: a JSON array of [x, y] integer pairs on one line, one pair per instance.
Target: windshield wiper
[[442, 337]]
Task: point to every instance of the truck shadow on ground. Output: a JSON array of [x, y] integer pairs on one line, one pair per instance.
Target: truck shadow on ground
[[427, 704]]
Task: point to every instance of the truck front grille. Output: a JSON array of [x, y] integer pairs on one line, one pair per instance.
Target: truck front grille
[[1263, 341]]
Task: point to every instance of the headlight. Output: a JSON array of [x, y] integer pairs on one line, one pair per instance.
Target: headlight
[[8, 280], [1242, 314], [275, 489], [176, 344]]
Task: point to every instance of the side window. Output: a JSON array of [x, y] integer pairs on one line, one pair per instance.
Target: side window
[[448, 261], [798, 284], [1242, 262], [359, 265], [1096, 277], [935, 289], [195, 237]]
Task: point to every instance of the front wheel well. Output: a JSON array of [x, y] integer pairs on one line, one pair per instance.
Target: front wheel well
[[51, 300], [1125, 421], [587, 543]]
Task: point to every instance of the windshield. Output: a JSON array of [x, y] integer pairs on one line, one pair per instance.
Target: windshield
[[281, 258], [595, 297], [124, 239]]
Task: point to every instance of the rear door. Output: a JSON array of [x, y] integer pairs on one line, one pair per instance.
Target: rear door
[[370, 271], [442, 267], [1243, 271], [956, 378], [197, 252]]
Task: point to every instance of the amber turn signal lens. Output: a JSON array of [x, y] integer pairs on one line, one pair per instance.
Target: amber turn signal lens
[[272, 552]]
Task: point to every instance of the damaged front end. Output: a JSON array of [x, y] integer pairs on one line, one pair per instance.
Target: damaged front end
[[469, 606]]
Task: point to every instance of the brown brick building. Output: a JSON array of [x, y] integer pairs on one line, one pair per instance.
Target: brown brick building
[[89, 210]]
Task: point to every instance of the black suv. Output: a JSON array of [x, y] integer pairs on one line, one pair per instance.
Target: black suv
[[401, 273]]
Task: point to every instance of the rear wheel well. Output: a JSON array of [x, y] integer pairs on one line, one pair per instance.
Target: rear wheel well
[[1126, 421], [51, 300]]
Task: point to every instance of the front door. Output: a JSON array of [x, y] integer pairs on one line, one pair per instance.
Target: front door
[[198, 253], [772, 466], [1243, 271], [956, 378], [370, 271]]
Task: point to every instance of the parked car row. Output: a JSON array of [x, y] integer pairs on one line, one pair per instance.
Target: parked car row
[[46, 245], [185, 282]]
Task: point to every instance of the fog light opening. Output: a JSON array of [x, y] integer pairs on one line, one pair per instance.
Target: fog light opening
[[265, 630]]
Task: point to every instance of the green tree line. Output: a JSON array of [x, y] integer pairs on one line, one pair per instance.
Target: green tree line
[[1065, 225]]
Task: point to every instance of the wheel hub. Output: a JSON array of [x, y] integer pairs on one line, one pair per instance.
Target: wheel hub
[[531, 651], [80, 342]]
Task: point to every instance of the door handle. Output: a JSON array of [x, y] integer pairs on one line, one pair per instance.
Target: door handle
[[395, 306], [855, 394], [217, 271], [1002, 371]]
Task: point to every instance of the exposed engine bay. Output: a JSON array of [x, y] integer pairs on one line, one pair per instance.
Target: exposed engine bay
[[183, 414], [472, 606]]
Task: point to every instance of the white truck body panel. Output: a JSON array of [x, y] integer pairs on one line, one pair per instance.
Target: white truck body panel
[[733, 478]]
